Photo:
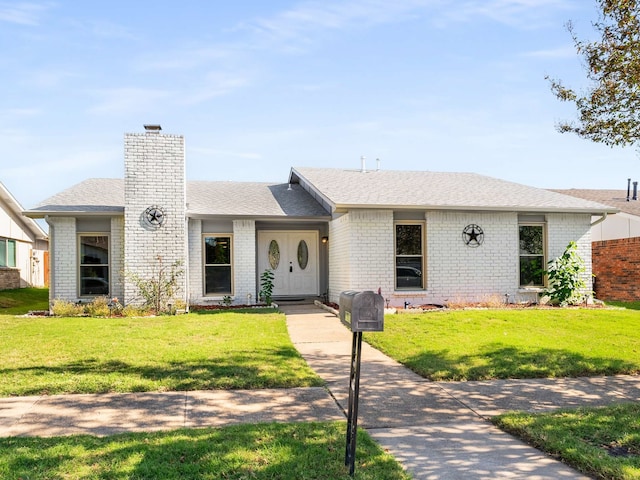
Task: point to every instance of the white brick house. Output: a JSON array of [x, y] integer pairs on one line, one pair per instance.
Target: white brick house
[[418, 237]]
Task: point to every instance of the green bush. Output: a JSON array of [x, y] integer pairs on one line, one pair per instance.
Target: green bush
[[566, 282], [99, 307]]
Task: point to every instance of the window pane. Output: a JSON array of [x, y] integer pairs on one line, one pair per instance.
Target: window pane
[[11, 253], [94, 280], [274, 255], [531, 271], [3, 253], [217, 250], [217, 280], [409, 272], [303, 255], [94, 250], [408, 239], [531, 242]]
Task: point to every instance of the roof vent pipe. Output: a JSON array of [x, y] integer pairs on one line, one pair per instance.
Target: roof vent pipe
[[628, 188], [363, 167], [635, 191], [377, 164]]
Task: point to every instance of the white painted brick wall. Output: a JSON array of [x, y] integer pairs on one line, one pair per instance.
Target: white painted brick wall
[[457, 272], [154, 175], [196, 262], [116, 258], [564, 228], [64, 259], [244, 260]]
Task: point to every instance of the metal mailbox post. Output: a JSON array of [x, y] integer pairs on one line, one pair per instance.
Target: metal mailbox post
[[361, 312]]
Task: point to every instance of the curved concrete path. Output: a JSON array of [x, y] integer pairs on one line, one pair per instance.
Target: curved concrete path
[[440, 430]]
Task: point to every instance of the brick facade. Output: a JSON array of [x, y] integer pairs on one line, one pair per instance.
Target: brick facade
[[154, 176], [9, 278], [616, 267]]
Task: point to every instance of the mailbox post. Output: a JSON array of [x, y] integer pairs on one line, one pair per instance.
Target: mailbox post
[[361, 312]]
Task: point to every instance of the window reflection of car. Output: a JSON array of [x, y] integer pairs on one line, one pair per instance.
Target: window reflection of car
[[94, 286], [408, 277]]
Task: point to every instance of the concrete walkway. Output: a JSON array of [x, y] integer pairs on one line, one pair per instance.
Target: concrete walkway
[[437, 430], [440, 430]]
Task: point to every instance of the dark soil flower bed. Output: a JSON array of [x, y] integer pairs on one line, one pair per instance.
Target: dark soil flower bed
[[195, 308]]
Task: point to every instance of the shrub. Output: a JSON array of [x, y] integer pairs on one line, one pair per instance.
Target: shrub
[[99, 307], [65, 308], [566, 282]]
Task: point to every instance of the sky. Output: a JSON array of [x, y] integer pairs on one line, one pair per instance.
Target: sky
[[257, 87]]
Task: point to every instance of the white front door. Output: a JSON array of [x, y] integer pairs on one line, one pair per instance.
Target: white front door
[[293, 258]]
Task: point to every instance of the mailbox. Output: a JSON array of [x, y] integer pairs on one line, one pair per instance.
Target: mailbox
[[362, 311]]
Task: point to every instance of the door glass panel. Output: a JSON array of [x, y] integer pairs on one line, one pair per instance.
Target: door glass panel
[[274, 255], [303, 254]]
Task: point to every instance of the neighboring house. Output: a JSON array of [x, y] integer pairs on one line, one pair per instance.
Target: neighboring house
[[23, 246], [616, 244], [418, 237]]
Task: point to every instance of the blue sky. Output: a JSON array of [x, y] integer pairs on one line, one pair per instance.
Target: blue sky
[[259, 86]]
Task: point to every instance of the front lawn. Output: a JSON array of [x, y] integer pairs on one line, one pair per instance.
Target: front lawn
[[600, 442], [228, 350], [258, 452], [23, 300], [518, 343]]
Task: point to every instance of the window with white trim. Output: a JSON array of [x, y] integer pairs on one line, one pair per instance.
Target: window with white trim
[[93, 265], [532, 254], [409, 256], [218, 271]]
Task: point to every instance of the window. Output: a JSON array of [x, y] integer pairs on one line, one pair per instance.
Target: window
[[532, 258], [409, 256], [7, 253], [217, 265], [94, 265]]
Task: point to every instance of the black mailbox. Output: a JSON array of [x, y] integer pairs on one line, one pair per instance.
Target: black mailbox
[[362, 311]]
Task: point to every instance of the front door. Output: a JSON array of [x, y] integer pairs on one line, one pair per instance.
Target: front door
[[293, 258]]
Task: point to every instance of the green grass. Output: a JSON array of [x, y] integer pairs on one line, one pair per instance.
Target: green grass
[[228, 350], [22, 300], [523, 343], [600, 442], [263, 451]]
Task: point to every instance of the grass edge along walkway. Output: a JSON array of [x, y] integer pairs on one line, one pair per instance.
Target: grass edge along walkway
[[257, 451]]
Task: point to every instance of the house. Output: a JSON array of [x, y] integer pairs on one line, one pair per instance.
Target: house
[[616, 243], [23, 246], [418, 237]]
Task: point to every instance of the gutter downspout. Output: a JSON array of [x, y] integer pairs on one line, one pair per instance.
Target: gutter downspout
[[600, 220]]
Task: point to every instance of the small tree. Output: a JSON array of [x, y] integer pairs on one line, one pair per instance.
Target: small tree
[[566, 280], [266, 286], [159, 290]]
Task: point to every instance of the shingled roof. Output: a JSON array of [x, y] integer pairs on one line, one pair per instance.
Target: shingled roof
[[342, 189], [105, 196], [614, 198]]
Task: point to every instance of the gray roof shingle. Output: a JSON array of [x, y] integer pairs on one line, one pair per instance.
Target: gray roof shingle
[[614, 198], [106, 196], [435, 190]]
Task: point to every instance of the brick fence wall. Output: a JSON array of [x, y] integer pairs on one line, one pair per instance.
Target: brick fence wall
[[616, 265], [9, 278]]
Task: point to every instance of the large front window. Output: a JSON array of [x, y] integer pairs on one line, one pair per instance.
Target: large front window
[[217, 265], [532, 260], [7, 253], [409, 256], [94, 265]]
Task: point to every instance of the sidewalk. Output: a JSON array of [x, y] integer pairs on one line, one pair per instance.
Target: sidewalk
[[440, 430], [437, 430]]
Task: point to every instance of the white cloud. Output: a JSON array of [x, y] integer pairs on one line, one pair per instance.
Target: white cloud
[[22, 13], [568, 51]]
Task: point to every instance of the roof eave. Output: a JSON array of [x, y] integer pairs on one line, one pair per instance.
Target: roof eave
[[342, 208], [71, 213]]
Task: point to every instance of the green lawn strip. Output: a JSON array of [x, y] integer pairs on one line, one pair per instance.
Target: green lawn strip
[[23, 300], [601, 442], [517, 343], [227, 350], [262, 451]]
